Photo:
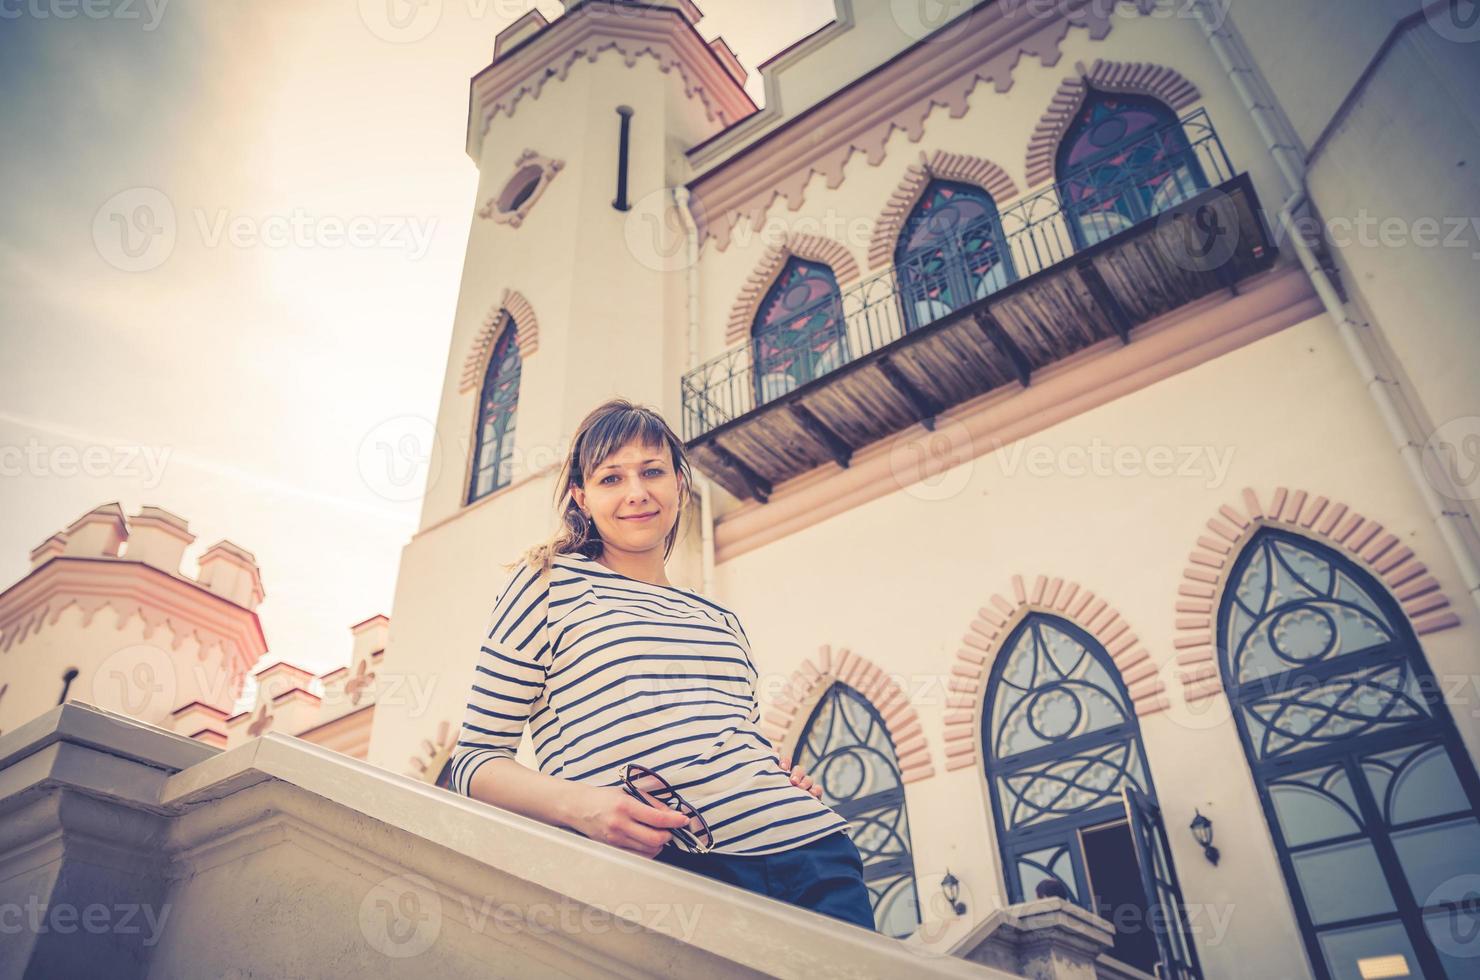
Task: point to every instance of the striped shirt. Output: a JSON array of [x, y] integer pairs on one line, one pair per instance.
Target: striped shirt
[[606, 670]]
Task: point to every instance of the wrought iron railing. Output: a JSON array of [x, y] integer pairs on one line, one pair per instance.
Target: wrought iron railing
[[1030, 235]]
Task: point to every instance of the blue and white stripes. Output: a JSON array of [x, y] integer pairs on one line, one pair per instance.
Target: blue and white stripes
[[607, 670]]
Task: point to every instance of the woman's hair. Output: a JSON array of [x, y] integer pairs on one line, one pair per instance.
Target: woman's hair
[[608, 427]]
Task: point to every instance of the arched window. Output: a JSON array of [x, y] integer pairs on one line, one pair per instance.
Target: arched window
[[493, 461], [1071, 793], [1369, 794], [951, 252], [1123, 159], [799, 333], [847, 750]]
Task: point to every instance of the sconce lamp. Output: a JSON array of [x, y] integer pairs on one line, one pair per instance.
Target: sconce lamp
[[1202, 829], [952, 889]]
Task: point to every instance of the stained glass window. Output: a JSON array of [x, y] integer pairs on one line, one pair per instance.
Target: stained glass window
[[1063, 751], [1061, 739], [847, 750], [951, 252], [799, 333], [1370, 796], [1122, 159], [493, 462]]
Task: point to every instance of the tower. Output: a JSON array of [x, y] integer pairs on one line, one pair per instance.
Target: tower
[[573, 291], [106, 616]]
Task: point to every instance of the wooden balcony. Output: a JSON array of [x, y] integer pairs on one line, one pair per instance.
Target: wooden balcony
[[895, 370]]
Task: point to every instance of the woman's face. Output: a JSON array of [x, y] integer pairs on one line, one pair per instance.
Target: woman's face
[[632, 482]]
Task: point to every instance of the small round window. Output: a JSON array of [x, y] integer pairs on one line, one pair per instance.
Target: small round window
[[532, 174], [520, 189]]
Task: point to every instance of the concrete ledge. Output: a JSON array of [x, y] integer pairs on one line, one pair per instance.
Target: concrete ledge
[[283, 858]]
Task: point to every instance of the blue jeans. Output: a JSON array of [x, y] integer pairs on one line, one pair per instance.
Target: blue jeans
[[825, 876]]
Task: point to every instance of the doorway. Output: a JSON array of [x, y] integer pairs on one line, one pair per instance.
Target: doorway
[[1116, 893]]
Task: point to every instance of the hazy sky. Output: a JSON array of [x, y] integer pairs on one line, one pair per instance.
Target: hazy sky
[[296, 201]]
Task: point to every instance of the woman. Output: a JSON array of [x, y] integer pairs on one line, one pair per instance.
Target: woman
[[609, 664]]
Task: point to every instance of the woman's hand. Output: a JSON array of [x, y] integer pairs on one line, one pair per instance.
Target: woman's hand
[[609, 815], [799, 777]]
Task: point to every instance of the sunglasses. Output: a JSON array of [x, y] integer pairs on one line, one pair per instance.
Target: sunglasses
[[665, 794]]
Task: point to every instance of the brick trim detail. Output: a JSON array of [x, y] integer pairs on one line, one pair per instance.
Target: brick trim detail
[[1331, 522], [996, 620], [814, 248], [1112, 76], [917, 176], [526, 337], [788, 711]]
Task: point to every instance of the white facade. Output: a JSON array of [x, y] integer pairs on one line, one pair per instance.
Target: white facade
[[1103, 473], [1327, 397]]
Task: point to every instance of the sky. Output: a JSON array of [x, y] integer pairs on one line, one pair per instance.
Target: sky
[[230, 256]]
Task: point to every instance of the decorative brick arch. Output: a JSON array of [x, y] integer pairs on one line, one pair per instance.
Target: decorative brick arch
[[790, 709], [917, 176], [1137, 78], [994, 624], [526, 336], [814, 248], [1334, 523]]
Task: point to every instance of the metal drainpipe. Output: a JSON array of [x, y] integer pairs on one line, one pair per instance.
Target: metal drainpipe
[[691, 272], [1246, 76]]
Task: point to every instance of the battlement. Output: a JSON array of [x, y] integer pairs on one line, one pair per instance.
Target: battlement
[[157, 538]]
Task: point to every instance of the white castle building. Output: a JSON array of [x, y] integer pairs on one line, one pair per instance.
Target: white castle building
[[1084, 400]]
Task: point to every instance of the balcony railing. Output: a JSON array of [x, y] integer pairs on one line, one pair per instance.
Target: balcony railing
[[1029, 236], [1084, 259]]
